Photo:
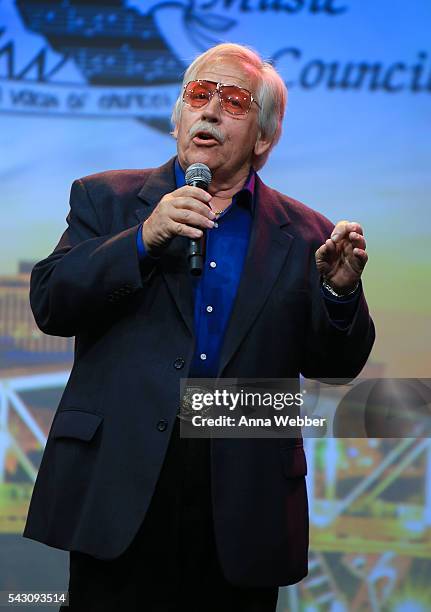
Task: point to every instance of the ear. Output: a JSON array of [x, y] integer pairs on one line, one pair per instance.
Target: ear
[[261, 145], [174, 132]]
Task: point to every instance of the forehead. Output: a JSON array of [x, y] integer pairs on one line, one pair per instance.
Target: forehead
[[231, 71]]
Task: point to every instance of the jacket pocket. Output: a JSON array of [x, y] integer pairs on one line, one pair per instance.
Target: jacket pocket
[[74, 423], [294, 461]]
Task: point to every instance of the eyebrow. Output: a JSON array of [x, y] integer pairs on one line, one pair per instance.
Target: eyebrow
[[222, 82]]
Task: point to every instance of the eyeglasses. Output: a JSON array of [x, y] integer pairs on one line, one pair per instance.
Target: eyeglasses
[[233, 99]]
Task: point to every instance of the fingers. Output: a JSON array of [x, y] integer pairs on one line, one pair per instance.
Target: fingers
[[353, 248], [361, 257], [358, 241], [344, 228], [326, 257], [192, 192], [183, 212], [327, 251], [186, 214], [352, 232], [180, 229], [190, 217], [191, 204], [343, 257]]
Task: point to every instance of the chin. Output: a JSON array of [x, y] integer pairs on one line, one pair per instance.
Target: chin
[[202, 157]]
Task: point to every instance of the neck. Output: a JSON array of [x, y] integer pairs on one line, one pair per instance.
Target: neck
[[224, 188]]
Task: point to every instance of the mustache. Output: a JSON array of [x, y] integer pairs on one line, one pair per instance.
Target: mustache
[[204, 126]]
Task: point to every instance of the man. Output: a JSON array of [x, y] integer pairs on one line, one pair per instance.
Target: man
[[154, 521]]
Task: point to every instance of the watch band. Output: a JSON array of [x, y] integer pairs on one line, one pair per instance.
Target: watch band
[[334, 293]]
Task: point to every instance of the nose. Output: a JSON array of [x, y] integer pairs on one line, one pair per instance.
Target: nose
[[211, 111]]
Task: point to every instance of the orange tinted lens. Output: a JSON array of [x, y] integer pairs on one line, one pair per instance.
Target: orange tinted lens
[[198, 93], [235, 100]]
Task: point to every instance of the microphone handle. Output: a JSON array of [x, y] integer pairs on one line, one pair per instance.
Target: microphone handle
[[196, 249]]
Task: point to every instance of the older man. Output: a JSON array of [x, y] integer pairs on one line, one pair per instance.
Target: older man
[[154, 521]]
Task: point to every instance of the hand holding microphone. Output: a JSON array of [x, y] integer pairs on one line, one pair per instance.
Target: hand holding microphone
[[183, 212]]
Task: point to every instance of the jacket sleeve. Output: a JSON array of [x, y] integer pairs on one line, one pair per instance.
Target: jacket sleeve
[[88, 275], [334, 352]]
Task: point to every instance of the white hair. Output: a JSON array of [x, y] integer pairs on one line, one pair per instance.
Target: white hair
[[271, 93]]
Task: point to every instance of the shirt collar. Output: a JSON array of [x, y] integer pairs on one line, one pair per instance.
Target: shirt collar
[[247, 191]]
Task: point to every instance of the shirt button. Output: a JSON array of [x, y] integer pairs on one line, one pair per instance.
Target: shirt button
[[209, 308], [179, 363], [162, 425], [203, 356], [213, 264]]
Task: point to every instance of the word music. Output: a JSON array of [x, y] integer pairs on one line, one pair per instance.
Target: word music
[[328, 7]]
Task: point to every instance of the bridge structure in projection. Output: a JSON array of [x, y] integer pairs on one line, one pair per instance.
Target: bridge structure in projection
[[369, 499]]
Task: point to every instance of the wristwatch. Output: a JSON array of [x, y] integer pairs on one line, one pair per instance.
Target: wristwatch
[[332, 291]]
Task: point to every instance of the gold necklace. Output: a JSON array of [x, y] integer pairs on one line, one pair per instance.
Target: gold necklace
[[219, 212]]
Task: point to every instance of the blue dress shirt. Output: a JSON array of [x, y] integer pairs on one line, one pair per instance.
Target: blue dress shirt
[[216, 288]]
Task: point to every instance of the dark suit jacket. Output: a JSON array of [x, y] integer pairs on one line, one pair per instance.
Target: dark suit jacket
[[134, 330]]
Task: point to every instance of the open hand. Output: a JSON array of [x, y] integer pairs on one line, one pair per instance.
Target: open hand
[[342, 258]]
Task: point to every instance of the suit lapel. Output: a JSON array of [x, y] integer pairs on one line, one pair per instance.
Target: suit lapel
[[173, 265], [160, 182], [268, 249]]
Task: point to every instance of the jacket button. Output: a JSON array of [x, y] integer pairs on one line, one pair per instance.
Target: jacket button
[[179, 363], [162, 424]]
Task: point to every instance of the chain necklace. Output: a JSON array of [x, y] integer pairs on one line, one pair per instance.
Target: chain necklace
[[219, 212]]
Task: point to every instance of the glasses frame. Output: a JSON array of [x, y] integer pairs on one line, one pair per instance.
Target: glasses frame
[[217, 90]]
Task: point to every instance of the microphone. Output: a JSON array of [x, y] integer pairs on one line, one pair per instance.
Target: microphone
[[197, 175]]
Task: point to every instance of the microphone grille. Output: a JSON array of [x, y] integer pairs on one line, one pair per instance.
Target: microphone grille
[[198, 172]]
